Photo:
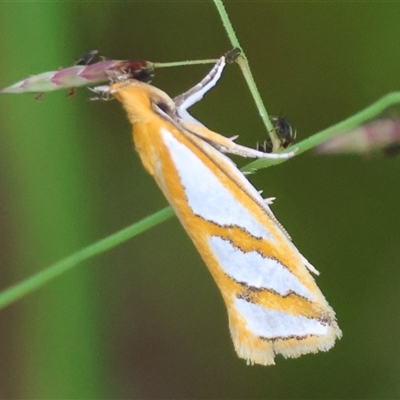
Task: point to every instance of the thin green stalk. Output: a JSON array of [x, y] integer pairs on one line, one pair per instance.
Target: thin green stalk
[[34, 282], [184, 63], [245, 67], [363, 116], [227, 23]]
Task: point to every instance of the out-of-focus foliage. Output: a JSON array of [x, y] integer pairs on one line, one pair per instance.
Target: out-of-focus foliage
[[146, 320]]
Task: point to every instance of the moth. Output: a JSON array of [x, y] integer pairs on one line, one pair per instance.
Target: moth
[[274, 305]]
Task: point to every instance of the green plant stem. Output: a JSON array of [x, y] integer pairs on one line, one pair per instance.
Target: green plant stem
[[227, 23], [34, 282], [248, 76], [184, 63], [362, 117]]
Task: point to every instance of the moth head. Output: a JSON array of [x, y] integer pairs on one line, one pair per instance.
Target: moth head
[[142, 100]]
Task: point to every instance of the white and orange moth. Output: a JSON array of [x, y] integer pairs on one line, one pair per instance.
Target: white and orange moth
[[274, 305]]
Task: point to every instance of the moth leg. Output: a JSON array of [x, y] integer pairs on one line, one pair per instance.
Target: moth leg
[[243, 151], [226, 145], [196, 93]]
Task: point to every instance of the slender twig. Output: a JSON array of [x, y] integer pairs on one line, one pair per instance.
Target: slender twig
[[245, 67], [363, 116], [184, 63], [34, 282]]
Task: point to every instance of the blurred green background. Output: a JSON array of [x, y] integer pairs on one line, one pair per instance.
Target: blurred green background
[[145, 320]]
